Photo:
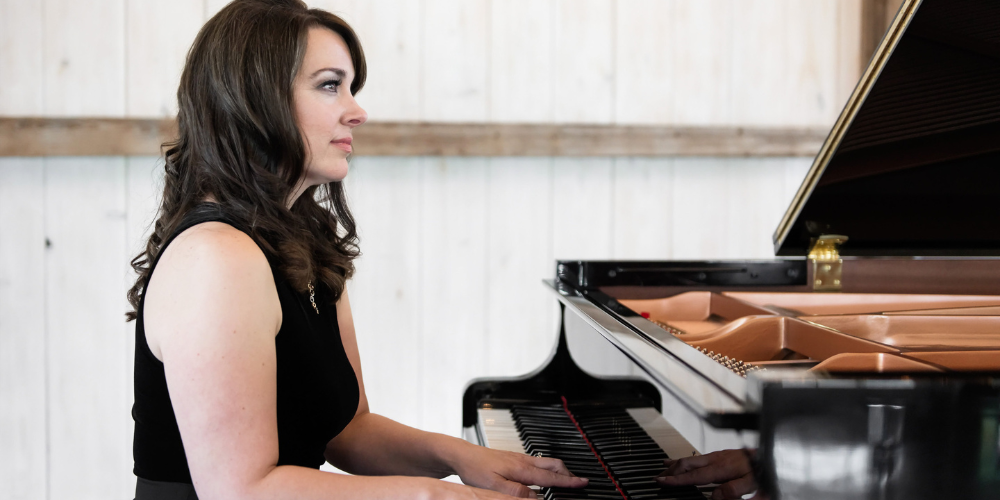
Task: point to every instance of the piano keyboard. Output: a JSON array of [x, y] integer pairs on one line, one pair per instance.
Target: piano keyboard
[[620, 450]]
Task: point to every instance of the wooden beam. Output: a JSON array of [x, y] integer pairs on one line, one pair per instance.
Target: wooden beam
[[876, 16], [83, 136], [135, 137]]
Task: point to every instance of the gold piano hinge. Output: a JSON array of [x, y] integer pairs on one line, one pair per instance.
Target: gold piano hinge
[[826, 263]]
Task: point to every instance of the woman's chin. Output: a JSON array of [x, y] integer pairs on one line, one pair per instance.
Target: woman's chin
[[333, 172]]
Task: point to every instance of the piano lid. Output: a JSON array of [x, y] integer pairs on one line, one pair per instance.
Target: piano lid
[[912, 166]]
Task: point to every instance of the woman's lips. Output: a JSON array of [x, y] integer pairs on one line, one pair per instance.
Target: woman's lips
[[344, 144]]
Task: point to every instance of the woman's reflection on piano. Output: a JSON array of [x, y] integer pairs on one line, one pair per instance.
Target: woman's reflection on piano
[[732, 470]]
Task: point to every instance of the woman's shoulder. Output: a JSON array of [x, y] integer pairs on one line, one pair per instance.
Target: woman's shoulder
[[213, 258], [212, 278], [214, 244]]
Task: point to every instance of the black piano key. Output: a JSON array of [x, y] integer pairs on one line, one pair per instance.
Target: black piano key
[[626, 459]]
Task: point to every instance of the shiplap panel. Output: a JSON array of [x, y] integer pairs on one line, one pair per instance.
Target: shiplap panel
[[702, 41], [441, 248], [23, 415], [583, 61], [644, 61], [699, 208], [785, 62], [582, 197], [729, 208], [755, 201], [849, 57], [453, 287], [760, 85], [455, 62], [158, 36], [386, 293], [212, 7], [643, 209], [84, 58], [143, 189], [521, 50], [21, 57], [795, 173], [345, 9], [522, 323], [811, 67], [390, 35], [89, 356]]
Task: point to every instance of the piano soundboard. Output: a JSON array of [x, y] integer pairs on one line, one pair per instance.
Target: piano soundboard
[[620, 450]]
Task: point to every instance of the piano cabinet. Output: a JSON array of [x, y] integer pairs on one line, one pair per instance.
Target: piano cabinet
[[869, 393]]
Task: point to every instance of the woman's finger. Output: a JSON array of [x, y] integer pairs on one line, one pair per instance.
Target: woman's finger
[[736, 488], [685, 464], [718, 471], [543, 477], [704, 475], [552, 464], [515, 489]]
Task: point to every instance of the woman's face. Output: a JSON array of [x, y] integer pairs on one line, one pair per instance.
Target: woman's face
[[324, 107]]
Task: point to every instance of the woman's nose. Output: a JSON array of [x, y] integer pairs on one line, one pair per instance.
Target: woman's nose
[[355, 116]]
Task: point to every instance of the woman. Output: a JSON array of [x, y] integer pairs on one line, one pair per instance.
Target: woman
[[247, 373]]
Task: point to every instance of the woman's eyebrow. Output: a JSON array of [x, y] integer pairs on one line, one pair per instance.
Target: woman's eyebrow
[[339, 72]]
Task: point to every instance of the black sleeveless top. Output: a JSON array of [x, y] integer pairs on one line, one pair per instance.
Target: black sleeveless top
[[317, 390]]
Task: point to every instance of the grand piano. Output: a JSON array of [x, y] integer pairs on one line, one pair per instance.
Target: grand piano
[[864, 362]]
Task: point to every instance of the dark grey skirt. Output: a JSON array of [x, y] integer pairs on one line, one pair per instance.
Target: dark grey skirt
[[161, 490]]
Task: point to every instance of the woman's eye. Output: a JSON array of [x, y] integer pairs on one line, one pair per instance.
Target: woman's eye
[[331, 85]]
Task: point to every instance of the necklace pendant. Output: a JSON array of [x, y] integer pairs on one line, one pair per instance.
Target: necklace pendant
[[312, 296]]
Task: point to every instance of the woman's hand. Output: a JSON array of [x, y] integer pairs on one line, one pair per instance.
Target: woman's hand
[[511, 473], [436, 489], [730, 468]]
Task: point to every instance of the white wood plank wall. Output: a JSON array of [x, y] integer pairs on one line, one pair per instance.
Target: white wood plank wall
[[454, 248]]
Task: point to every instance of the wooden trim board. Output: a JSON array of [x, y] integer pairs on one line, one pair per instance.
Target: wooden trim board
[[31, 136]]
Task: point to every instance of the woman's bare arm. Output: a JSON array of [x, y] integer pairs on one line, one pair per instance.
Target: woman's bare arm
[[211, 315], [374, 445]]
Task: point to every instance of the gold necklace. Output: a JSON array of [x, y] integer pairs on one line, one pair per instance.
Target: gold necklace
[[312, 296]]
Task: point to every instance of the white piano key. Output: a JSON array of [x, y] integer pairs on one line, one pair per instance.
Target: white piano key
[[499, 433], [498, 430]]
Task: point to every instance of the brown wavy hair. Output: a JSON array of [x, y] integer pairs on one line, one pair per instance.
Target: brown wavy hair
[[240, 144]]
